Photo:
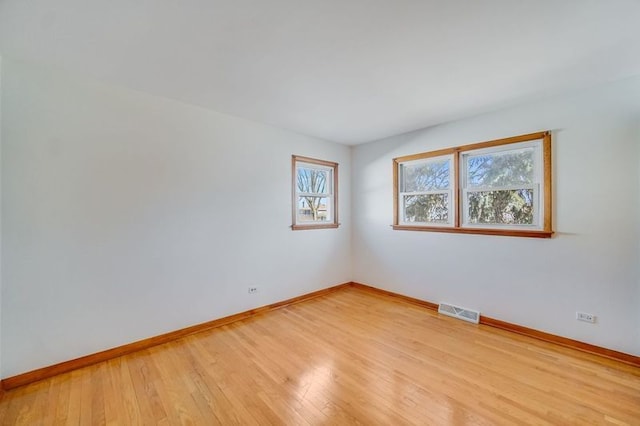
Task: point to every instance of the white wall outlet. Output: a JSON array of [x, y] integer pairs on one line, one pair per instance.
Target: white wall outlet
[[253, 290], [583, 316]]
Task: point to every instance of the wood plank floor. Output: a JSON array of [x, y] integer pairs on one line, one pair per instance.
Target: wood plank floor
[[350, 357]]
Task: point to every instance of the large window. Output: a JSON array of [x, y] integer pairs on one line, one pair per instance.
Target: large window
[[500, 187], [315, 193]]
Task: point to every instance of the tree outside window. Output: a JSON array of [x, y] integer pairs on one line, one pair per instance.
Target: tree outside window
[[500, 187]]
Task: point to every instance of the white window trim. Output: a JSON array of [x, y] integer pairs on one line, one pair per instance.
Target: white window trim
[[449, 191], [538, 203], [330, 193]]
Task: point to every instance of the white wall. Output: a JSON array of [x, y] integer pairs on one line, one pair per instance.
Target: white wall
[[590, 265], [127, 215], [0, 217], [638, 252]]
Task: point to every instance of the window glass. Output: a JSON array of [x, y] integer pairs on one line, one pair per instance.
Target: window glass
[[426, 176], [426, 208], [509, 207], [500, 169]]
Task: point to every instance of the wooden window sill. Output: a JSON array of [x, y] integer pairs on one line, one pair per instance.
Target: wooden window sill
[[481, 231], [323, 226]]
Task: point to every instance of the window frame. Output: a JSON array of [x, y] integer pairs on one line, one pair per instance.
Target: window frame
[[541, 230], [450, 191], [332, 195]]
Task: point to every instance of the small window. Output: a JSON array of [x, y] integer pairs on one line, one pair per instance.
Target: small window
[[500, 187], [315, 193]]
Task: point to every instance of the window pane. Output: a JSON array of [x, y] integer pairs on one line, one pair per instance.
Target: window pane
[[429, 208], [430, 176], [314, 181], [313, 209], [513, 207], [507, 168]]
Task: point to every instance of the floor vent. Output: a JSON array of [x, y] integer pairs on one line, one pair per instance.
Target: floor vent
[[460, 313]]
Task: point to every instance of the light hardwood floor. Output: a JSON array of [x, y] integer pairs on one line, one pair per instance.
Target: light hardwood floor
[[350, 357]]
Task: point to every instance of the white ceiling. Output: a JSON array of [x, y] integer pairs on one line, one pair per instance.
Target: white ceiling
[[350, 71]]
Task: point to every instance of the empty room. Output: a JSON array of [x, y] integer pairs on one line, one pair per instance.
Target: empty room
[[320, 212]]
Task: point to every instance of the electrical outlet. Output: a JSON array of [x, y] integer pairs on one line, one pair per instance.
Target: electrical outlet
[[253, 290], [583, 316]]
